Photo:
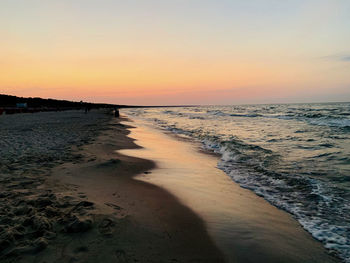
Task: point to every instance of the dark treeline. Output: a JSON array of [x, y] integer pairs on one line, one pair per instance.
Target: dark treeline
[[8, 101], [12, 104]]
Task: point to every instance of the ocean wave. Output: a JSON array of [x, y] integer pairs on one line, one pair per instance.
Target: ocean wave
[[342, 123], [311, 201], [247, 115], [295, 157], [321, 119]]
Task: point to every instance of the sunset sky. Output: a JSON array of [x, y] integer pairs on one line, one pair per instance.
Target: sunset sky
[[176, 52]]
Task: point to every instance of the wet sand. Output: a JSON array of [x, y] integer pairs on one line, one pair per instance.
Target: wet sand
[[245, 227], [151, 225]]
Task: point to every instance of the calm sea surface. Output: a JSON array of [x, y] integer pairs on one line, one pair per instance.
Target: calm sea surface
[[296, 156]]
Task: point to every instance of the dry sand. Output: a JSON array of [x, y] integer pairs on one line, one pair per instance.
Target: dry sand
[[33, 214]]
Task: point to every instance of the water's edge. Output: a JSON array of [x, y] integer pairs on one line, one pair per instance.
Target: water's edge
[[318, 204]]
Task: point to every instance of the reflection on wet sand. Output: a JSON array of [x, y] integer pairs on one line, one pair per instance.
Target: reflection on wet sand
[[244, 226]]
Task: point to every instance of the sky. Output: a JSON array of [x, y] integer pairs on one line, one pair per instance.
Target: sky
[[172, 52]]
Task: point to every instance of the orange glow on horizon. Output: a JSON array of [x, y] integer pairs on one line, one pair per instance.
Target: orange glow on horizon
[[118, 53]]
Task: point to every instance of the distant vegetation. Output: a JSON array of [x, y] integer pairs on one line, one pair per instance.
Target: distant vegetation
[[12, 104], [8, 101]]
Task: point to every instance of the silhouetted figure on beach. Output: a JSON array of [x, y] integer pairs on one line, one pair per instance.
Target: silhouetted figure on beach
[[87, 108], [116, 112]]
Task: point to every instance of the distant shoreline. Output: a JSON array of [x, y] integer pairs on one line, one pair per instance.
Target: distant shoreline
[[12, 105], [36, 104]]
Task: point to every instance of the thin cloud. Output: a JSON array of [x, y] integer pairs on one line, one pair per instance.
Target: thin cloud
[[338, 57], [346, 58]]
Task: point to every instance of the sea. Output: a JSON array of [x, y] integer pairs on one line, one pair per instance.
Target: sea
[[296, 156]]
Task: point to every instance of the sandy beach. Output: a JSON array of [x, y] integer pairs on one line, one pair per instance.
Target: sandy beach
[[85, 206], [174, 131], [81, 187]]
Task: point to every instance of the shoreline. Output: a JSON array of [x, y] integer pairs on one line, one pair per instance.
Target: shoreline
[[113, 203], [237, 219], [149, 223], [83, 204]]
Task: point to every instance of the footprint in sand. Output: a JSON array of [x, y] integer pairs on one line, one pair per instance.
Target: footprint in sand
[[116, 207], [105, 226]]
